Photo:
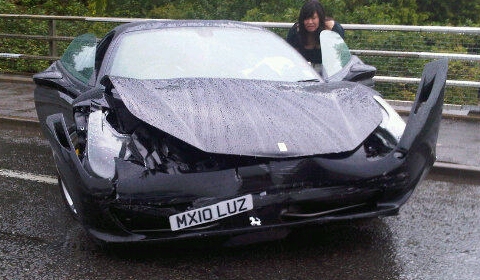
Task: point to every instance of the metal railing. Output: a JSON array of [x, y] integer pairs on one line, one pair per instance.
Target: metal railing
[[53, 38]]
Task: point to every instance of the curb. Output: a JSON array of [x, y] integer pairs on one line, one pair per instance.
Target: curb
[[25, 122], [468, 118], [458, 172], [16, 78], [450, 111]]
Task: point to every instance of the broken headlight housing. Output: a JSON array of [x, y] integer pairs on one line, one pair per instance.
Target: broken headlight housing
[[104, 144], [384, 139], [391, 120]]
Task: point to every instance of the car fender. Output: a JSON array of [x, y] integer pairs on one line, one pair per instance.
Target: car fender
[[85, 189]]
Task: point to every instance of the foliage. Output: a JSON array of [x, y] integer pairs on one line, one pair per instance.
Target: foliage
[[7, 7], [419, 12], [460, 12]]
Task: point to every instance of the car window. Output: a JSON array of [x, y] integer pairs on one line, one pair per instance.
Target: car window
[[79, 57], [208, 52]]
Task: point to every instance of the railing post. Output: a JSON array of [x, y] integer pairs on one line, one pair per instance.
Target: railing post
[[52, 32]]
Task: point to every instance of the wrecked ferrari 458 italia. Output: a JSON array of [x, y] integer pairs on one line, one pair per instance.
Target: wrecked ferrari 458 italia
[[167, 130]]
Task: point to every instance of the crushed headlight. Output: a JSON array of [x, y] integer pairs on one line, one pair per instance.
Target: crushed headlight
[[391, 120], [103, 145]]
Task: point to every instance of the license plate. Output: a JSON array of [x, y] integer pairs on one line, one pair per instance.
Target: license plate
[[207, 214]]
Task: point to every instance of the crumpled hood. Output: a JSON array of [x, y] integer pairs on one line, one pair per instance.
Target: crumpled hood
[[255, 118]]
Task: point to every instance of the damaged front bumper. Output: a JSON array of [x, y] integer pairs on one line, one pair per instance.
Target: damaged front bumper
[[137, 204]]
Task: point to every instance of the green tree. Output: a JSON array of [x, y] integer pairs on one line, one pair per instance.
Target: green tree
[[376, 12], [461, 12]]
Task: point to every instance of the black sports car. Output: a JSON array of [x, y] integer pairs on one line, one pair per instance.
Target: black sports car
[[167, 130]]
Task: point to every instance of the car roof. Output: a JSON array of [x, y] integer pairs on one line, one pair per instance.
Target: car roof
[[159, 24]]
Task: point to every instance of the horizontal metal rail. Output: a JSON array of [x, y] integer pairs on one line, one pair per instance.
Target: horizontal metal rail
[[36, 37], [413, 28], [404, 80], [52, 38], [427, 55], [42, 17], [28, 56]]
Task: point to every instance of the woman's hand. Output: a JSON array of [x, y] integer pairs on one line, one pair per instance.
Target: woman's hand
[[329, 24]]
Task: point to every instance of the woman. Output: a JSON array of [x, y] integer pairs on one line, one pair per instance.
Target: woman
[[305, 34]]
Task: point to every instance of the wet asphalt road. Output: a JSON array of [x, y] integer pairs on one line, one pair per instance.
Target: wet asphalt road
[[436, 236]]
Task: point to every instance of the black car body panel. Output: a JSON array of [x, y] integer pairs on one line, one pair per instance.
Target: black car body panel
[[178, 157]]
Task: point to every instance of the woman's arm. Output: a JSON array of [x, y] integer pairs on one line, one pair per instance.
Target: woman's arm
[[292, 36], [330, 24]]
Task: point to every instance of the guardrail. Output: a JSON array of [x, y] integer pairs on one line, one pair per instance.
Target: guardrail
[[472, 58]]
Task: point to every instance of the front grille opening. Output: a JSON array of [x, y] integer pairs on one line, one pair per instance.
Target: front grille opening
[[134, 218]]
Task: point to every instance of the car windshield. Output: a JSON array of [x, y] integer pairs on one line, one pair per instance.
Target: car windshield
[[209, 52]]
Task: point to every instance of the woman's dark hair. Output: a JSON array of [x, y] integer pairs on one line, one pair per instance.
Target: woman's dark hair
[[308, 10]]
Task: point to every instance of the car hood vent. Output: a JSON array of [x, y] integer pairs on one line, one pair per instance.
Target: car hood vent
[[255, 118]]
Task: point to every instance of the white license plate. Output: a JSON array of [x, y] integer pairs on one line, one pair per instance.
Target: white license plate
[[211, 213]]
